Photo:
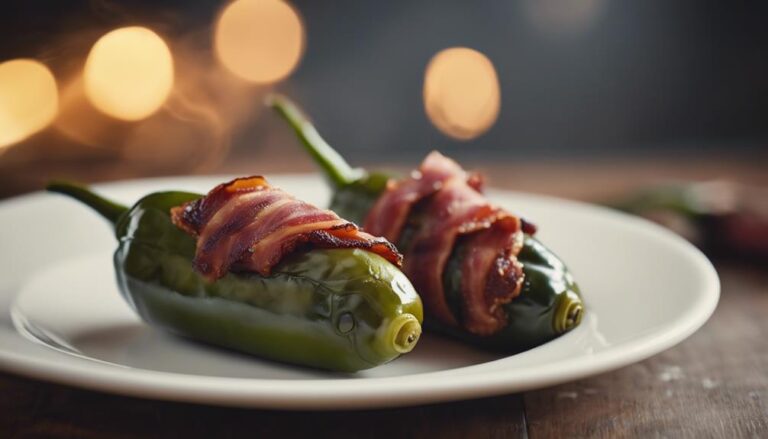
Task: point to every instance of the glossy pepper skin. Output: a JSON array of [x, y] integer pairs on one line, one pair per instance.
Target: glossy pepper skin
[[339, 309], [549, 303]]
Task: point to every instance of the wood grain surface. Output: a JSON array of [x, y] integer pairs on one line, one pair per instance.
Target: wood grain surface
[[715, 384]]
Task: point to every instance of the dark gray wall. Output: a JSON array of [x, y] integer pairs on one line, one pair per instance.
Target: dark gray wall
[[652, 75]]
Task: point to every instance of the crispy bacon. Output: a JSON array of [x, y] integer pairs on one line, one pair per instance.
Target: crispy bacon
[[390, 212], [248, 225], [451, 205], [451, 211], [491, 275]]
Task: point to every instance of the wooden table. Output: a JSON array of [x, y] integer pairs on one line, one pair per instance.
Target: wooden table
[[714, 384]]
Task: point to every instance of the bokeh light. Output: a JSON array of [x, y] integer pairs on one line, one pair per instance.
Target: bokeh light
[[29, 99], [461, 92], [259, 40], [129, 73]]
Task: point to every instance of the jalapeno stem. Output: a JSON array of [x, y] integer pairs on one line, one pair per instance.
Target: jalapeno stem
[[336, 169], [107, 208], [568, 313]]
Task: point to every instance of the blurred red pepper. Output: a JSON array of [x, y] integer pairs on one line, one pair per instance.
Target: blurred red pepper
[[722, 218]]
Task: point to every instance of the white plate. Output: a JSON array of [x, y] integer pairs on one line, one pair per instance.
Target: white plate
[[62, 319]]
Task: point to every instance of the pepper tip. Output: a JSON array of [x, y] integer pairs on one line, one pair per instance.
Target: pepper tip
[[405, 330], [569, 312]]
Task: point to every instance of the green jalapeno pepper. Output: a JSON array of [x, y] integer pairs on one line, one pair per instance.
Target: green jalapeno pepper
[[337, 309], [549, 303]]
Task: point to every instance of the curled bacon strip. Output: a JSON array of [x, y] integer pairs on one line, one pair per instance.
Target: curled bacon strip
[[450, 205], [390, 212], [491, 275], [248, 225]]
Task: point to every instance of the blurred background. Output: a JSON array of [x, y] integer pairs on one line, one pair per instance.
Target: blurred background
[[611, 93]]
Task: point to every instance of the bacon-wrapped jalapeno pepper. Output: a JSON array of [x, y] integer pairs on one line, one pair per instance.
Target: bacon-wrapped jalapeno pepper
[[482, 275], [251, 268]]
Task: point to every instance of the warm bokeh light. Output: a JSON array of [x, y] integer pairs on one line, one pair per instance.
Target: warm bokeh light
[[28, 99], [80, 121], [259, 40], [461, 92], [129, 73]]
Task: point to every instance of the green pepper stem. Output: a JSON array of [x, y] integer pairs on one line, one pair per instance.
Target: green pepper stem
[[336, 169], [568, 313], [674, 198], [110, 210]]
